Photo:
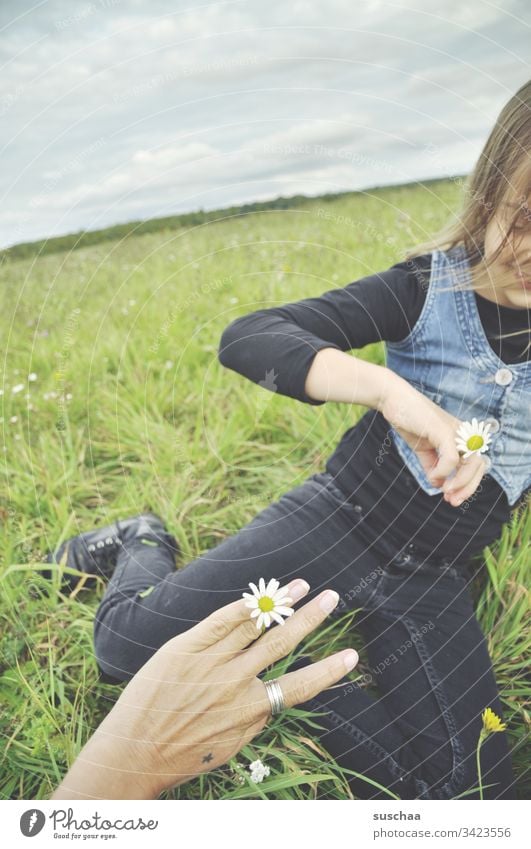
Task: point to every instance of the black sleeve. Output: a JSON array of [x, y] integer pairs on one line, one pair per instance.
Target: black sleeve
[[275, 347]]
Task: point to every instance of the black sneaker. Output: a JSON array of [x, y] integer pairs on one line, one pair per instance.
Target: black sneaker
[[95, 552]]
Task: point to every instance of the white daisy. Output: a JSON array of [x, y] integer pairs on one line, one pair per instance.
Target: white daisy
[[268, 603], [259, 771], [473, 437]]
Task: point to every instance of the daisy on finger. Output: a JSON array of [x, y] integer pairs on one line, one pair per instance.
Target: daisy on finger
[[473, 437], [268, 604]]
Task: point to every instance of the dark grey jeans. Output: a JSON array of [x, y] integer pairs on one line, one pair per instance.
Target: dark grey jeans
[[428, 657]]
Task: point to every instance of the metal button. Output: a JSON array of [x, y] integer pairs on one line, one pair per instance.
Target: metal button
[[494, 424], [503, 376]]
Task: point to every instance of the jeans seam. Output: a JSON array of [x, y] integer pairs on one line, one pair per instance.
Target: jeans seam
[[457, 749], [359, 735], [335, 490]]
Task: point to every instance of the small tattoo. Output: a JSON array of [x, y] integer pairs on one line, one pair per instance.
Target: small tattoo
[[208, 758]]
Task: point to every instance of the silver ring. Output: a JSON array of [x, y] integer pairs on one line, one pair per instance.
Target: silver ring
[[275, 696]]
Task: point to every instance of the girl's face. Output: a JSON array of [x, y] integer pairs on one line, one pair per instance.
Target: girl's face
[[510, 273]]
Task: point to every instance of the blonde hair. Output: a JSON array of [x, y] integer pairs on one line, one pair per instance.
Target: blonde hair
[[503, 164]]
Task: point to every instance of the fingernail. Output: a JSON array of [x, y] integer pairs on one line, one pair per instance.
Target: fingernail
[[298, 590], [328, 601], [350, 659]]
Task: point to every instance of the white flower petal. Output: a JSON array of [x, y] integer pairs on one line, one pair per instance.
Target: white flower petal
[[272, 586], [261, 585], [281, 595], [285, 611], [277, 617], [254, 588]]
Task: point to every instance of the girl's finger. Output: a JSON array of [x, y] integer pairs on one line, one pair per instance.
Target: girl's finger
[[457, 498], [282, 639], [448, 460], [247, 632], [466, 472], [306, 683]]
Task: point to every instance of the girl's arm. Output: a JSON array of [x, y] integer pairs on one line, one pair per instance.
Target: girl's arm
[[336, 376], [276, 347], [426, 427]]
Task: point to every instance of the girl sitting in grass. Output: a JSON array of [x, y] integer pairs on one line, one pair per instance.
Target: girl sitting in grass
[[394, 519]]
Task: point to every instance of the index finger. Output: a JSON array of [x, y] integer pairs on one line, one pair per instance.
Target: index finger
[[281, 640], [223, 622]]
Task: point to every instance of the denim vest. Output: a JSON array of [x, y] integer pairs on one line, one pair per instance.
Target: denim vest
[[448, 358]]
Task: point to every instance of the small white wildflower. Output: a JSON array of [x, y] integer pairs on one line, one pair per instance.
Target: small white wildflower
[[13, 419], [473, 437], [32, 377], [18, 436], [68, 396], [18, 387], [268, 604], [168, 364], [259, 771]]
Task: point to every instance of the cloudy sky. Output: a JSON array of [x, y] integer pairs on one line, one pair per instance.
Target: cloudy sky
[[112, 110]]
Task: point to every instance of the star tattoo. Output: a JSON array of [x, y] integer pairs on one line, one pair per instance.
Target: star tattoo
[[208, 758]]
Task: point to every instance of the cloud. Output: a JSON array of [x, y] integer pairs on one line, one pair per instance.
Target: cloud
[[111, 110]]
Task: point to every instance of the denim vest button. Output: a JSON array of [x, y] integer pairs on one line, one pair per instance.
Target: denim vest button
[[494, 425], [503, 376]]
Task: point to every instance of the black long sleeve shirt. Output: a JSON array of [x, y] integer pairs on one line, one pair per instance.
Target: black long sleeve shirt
[[376, 308]]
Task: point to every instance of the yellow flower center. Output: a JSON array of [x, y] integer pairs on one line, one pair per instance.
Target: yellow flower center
[[475, 442], [266, 604]]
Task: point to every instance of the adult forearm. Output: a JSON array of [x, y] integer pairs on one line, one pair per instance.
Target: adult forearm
[[338, 376], [107, 771]]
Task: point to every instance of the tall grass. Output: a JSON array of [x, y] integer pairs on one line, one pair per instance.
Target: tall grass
[[130, 410]]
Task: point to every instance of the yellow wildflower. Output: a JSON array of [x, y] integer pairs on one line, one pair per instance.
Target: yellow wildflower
[[492, 722]]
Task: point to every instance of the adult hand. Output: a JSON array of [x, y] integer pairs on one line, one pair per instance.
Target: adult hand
[[430, 431], [198, 700]]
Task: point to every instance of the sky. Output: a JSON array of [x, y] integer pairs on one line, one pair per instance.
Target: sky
[[112, 111]]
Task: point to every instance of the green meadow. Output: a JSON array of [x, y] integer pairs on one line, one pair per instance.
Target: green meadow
[[113, 402]]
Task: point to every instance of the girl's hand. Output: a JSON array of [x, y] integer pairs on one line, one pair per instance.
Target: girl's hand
[[430, 431], [198, 700]]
